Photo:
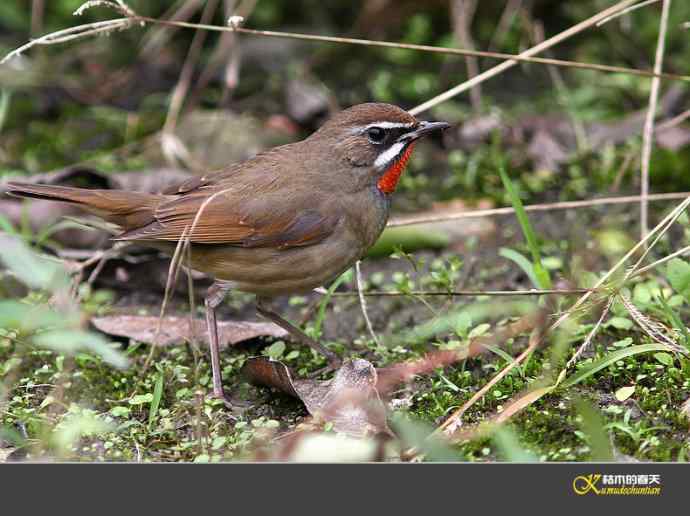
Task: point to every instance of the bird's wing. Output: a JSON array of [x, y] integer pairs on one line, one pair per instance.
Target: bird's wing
[[241, 207]]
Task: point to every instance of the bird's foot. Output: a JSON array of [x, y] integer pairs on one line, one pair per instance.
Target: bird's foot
[[224, 398], [232, 406]]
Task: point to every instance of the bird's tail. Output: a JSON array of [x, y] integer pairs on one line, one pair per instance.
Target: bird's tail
[[128, 210]]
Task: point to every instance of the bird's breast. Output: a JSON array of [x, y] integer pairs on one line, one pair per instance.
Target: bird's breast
[[366, 216]]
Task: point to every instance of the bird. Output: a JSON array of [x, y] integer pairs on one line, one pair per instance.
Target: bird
[[286, 221]]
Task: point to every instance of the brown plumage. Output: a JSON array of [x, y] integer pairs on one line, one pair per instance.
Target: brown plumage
[[288, 220]]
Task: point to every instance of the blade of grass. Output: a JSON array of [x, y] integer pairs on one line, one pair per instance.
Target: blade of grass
[[5, 96], [540, 273], [156, 401], [321, 314], [6, 226], [609, 359], [593, 427], [505, 356], [509, 446], [521, 261]]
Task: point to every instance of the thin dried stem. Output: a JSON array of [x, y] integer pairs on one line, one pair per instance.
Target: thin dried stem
[[37, 11], [659, 230], [590, 336], [182, 86], [647, 249], [118, 5], [626, 11], [450, 425], [648, 134], [80, 31], [156, 38], [496, 70], [462, 12], [673, 122], [563, 94], [192, 303], [524, 57], [173, 270], [466, 293], [427, 48], [359, 283], [504, 23], [654, 329], [628, 199], [680, 252], [649, 328]]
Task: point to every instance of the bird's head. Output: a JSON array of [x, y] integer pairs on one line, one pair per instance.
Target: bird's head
[[374, 140]]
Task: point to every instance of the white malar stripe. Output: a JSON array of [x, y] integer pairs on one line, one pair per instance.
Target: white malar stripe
[[389, 155]]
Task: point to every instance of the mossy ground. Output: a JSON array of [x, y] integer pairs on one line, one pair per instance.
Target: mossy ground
[[50, 393]]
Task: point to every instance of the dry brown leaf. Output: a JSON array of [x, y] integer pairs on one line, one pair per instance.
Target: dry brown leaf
[[5, 453], [350, 400], [174, 330], [673, 138], [546, 152], [12, 454]]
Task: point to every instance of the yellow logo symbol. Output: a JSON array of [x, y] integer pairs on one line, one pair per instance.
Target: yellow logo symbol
[[583, 484]]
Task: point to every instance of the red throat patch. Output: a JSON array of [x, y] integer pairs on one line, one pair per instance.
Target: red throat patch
[[390, 178]]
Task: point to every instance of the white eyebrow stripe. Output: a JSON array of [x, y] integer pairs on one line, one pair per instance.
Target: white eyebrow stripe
[[384, 125], [391, 125], [389, 155]]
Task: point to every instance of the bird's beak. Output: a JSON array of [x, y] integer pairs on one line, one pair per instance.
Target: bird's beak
[[422, 129]]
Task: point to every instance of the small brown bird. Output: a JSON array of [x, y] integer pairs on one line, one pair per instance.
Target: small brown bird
[[286, 221]]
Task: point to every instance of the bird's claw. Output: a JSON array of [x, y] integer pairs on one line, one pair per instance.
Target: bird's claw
[[225, 399]]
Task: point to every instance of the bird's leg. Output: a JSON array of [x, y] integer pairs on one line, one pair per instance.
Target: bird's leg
[[215, 295], [334, 360]]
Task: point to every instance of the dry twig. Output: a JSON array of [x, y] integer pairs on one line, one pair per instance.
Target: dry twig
[[648, 135], [628, 199], [530, 53]]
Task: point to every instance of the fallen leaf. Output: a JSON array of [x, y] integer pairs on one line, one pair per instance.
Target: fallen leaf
[[624, 393], [307, 102], [12, 454], [546, 152], [350, 400], [673, 138], [600, 134], [174, 330], [5, 454], [479, 129]]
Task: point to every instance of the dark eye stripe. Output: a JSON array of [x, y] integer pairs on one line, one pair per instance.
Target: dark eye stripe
[[376, 134], [382, 134]]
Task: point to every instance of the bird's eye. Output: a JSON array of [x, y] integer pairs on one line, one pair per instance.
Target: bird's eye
[[376, 134]]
